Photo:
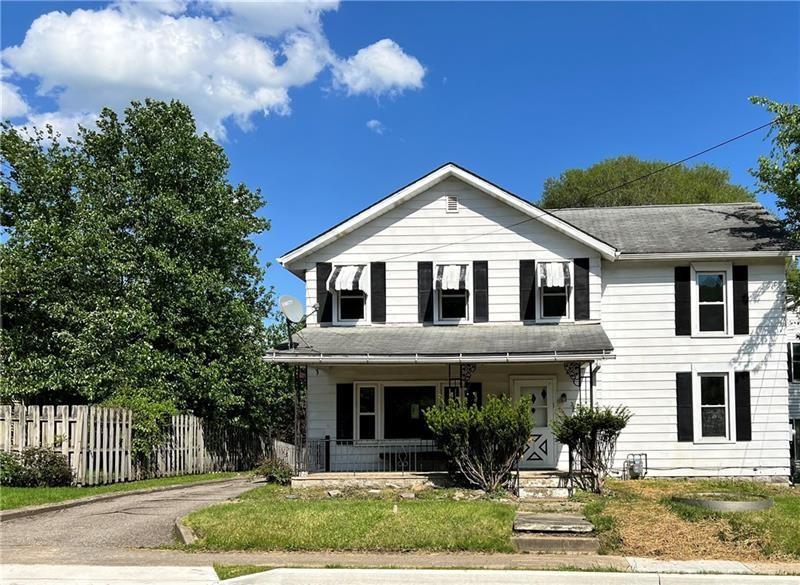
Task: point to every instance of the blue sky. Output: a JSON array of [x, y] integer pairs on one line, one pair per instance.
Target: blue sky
[[517, 92]]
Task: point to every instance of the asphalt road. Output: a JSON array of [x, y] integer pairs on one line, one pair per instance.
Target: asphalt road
[[143, 520]]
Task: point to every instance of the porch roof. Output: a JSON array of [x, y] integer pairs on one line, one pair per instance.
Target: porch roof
[[447, 344]]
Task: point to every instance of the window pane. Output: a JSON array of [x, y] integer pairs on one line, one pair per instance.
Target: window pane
[[366, 426], [404, 407], [554, 305], [351, 305], [712, 390], [796, 362], [713, 421], [454, 305], [710, 287], [712, 317], [366, 400]]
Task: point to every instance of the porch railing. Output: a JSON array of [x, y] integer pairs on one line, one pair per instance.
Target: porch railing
[[387, 455]]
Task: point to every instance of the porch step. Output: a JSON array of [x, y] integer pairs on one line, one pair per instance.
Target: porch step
[[552, 523], [543, 492], [543, 484], [550, 505], [549, 544]]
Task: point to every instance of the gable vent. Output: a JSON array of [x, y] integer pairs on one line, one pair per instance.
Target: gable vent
[[452, 204]]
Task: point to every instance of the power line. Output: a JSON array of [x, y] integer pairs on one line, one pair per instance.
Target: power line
[[625, 184]]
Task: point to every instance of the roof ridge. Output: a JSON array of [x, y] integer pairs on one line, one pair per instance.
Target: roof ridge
[[658, 205]]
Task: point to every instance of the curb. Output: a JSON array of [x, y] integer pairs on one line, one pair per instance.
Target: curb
[[183, 533], [6, 515]]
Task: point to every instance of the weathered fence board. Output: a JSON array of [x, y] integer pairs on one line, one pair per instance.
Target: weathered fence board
[[97, 442]]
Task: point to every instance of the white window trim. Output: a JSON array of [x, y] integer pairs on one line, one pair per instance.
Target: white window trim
[[437, 305], [727, 269], [570, 316], [364, 282], [380, 411], [730, 403]]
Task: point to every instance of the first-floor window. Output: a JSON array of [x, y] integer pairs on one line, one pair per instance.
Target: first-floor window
[[351, 305], [794, 362], [713, 405], [404, 411], [367, 412]]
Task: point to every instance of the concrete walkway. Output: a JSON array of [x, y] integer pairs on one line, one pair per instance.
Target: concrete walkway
[[138, 520]]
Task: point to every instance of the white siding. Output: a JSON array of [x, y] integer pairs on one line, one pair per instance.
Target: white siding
[[638, 315], [423, 223]]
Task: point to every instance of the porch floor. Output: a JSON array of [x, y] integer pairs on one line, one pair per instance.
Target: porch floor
[[407, 479]]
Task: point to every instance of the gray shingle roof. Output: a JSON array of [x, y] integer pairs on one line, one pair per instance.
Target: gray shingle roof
[[466, 340], [652, 229]]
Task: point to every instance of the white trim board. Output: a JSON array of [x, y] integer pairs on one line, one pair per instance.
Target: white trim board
[[423, 184]]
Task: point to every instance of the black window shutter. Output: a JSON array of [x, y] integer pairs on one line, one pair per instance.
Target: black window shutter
[[581, 289], [790, 363], [741, 301], [377, 277], [480, 280], [527, 290], [475, 394], [685, 416], [324, 296], [683, 301], [743, 426], [344, 412], [425, 291]]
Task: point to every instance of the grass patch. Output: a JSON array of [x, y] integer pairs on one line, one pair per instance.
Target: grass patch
[[640, 518], [231, 571], [18, 497], [264, 519]]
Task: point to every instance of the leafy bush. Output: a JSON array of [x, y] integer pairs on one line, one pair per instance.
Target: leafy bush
[[591, 434], [275, 470], [151, 419], [35, 467], [482, 443]]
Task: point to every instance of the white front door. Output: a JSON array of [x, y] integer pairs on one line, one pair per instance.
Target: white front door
[[540, 450]]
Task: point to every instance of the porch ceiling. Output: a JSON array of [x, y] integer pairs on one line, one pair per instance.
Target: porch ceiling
[[447, 344]]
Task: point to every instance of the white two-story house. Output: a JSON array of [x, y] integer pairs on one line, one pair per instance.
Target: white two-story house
[[453, 286]]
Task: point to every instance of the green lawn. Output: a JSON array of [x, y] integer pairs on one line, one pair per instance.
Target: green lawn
[[264, 519], [640, 518], [18, 497], [231, 571]]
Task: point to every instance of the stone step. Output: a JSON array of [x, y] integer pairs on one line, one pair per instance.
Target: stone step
[[552, 523], [549, 505], [550, 544], [543, 492], [543, 482]]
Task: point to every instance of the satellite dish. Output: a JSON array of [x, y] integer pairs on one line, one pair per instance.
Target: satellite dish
[[291, 308]]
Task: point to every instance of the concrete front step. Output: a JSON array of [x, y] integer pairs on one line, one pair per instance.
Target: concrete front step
[[549, 505], [545, 543], [543, 492], [552, 523]]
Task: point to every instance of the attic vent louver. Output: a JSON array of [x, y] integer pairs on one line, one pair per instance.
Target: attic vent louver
[[452, 204]]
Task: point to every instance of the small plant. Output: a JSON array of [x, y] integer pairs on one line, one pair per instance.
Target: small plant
[[591, 434], [35, 467], [483, 444], [275, 470]]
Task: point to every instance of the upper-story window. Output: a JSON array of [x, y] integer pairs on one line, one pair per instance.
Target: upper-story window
[[452, 292], [350, 299], [555, 287], [711, 299]]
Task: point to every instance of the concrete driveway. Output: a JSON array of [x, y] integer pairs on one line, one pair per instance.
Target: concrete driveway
[[143, 520]]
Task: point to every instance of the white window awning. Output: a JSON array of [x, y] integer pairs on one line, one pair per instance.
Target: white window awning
[[554, 274], [346, 277], [451, 277]]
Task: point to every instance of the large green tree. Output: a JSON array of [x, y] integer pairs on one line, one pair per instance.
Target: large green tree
[[129, 273], [779, 172], [596, 186]]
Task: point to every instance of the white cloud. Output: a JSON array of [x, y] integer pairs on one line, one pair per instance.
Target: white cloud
[[381, 68], [227, 61], [376, 126], [12, 104]]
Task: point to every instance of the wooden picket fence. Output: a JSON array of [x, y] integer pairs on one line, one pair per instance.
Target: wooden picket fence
[[97, 443]]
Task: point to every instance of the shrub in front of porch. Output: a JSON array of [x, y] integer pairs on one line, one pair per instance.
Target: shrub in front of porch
[[591, 434], [482, 443]]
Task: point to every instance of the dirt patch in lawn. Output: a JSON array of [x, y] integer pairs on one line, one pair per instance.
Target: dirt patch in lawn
[[640, 519]]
